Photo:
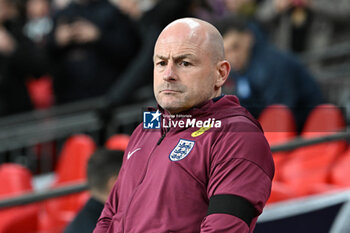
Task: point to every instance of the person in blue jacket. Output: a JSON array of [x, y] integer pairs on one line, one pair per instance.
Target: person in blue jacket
[[263, 75]]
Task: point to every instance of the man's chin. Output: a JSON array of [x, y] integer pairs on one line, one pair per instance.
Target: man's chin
[[169, 100], [170, 107]]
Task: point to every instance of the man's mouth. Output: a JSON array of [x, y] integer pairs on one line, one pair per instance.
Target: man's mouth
[[169, 91]]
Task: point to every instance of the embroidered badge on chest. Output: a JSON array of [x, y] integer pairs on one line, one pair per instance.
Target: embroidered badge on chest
[[181, 150]]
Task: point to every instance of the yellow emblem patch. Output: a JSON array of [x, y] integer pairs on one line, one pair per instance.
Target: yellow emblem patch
[[200, 131]]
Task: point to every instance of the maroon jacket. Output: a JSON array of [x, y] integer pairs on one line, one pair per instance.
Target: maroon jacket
[[166, 182]]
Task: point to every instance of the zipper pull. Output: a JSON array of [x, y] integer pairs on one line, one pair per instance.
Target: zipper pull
[[161, 138]]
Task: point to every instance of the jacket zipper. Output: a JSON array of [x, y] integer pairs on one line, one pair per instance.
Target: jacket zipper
[[141, 181], [161, 138]]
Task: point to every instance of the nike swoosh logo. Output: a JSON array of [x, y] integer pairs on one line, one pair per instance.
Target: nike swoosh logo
[[130, 154]]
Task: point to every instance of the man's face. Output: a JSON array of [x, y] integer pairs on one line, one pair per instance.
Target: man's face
[[6, 10], [129, 7], [37, 8], [184, 71], [237, 49]]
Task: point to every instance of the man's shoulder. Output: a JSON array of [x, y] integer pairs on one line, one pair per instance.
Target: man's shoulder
[[243, 139], [240, 122]]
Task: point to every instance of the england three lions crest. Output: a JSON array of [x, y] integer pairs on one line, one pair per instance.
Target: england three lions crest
[[181, 150]]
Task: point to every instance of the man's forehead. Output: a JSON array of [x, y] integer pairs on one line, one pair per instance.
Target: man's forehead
[[180, 36], [176, 48], [180, 43]]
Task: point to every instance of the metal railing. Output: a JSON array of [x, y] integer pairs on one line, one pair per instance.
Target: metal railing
[[21, 135], [33, 197], [301, 142]]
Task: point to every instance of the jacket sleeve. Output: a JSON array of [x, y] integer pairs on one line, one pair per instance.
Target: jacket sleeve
[[108, 212], [242, 166]]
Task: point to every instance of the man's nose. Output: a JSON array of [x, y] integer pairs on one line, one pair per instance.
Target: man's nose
[[169, 72]]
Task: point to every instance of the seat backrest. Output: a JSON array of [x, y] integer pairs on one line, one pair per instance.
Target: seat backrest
[[41, 92], [324, 119], [340, 174], [279, 127], [73, 158], [23, 219], [14, 179], [71, 168], [278, 124], [117, 142], [310, 166], [280, 192]]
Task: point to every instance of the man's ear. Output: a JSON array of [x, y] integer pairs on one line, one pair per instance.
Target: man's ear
[[223, 70]]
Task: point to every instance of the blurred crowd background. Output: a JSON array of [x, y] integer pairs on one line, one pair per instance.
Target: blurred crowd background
[[53, 52]]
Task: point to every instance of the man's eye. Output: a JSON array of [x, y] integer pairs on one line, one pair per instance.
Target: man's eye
[[161, 63], [185, 63]]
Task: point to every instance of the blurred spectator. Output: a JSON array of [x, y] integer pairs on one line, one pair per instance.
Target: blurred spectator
[[91, 44], [102, 171], [246, 8], [208, 10], [37, 28], [39, 23], [151, 19], [264, 75], [19, 59], [59, 4], [302, 25]]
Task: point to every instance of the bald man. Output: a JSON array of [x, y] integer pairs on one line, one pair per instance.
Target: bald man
[[207, 167]]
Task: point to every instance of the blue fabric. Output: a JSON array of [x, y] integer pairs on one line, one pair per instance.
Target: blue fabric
[[275, 77], [85, 221]]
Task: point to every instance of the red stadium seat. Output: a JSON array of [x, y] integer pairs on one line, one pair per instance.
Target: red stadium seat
[[118, 142], [71, 167], [324, 119], [280, 192], [15, 180], [309, 167], [22, 219], [278, 123], [341, 170], [73, 158], [41, 92], [279, 127]]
